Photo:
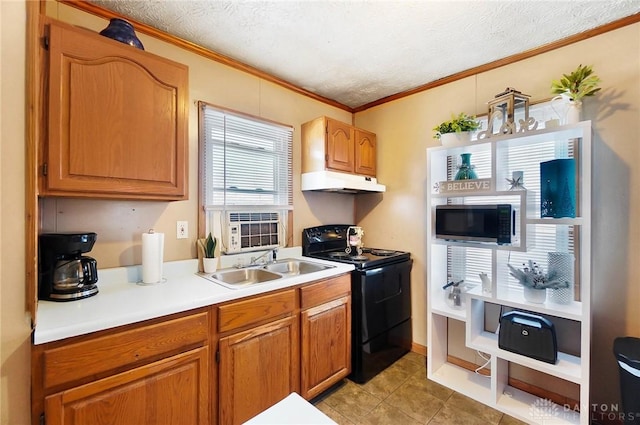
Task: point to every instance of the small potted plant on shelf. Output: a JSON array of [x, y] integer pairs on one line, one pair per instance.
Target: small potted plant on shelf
[[207, 247], [536, 282], [571, 88], [457, 130]]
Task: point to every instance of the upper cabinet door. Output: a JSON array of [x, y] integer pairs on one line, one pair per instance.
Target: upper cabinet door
[[117, 120], [340, 146], [365, 153]]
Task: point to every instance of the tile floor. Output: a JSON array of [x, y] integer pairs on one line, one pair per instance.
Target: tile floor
[[401, 394]]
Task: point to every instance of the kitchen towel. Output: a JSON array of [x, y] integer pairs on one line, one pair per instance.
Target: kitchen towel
[[152, 257]]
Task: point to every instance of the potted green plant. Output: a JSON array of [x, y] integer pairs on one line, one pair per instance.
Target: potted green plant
[[536, 282], [571, 88], [457, 130], [208, 249], [578, 84]]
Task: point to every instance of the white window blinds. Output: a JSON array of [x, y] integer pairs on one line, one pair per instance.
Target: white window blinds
[[247, 162]]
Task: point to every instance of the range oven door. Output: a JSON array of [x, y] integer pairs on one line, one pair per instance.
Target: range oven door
[[381, 299], [381, 318]]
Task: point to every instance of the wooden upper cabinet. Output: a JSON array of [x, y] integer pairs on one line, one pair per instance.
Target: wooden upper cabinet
[[365, 153], [340, 146], [117, 119], [332, 145]]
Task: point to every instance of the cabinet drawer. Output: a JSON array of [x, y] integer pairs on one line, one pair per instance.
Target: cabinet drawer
[[122, 349], [325, 290], [243, 313]]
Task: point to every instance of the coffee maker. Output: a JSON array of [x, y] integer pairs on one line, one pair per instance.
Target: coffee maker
[[64, 274]]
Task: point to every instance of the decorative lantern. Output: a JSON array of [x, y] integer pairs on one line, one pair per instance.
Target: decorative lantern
[[506, 103]]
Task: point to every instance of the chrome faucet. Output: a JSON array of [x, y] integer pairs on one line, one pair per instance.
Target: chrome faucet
[[271, 259]]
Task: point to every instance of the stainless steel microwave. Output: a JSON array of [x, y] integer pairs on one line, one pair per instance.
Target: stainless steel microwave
[[495, 223]]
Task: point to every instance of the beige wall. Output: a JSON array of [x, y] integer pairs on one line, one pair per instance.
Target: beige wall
[[404, 132], [14, 321]]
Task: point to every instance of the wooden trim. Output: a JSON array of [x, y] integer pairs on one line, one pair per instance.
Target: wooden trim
[[34, 123], [420, 349], [506, 61], [207, 53], [520, 385], [201, 104]]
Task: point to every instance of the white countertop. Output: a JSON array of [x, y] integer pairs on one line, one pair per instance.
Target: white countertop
[[292, 410], [122, 301]]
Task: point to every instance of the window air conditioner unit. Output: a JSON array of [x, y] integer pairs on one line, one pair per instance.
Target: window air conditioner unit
[[252, 231]]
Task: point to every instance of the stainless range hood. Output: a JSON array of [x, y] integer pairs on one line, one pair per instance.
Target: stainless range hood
[[331, 181]]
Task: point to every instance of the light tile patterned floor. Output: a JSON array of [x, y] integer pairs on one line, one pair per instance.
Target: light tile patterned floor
[[403, 395]]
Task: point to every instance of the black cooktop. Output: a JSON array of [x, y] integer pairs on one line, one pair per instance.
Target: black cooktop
[[329, 242]]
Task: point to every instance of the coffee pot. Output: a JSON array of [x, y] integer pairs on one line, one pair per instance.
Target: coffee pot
[[75, 273], [64, 273]]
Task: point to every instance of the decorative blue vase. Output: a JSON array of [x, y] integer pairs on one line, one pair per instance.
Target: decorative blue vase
[[465, 171], [122, 31], [558, 186]]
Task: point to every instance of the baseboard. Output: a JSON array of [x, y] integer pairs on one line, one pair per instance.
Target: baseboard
[[419, 349]]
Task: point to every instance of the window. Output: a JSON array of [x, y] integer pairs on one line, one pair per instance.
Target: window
[[467, 263], [246, 167]]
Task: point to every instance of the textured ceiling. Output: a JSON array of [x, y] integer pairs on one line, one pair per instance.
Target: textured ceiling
[[356, 52]]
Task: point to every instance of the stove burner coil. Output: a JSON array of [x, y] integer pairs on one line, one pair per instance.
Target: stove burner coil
[[382, 252]]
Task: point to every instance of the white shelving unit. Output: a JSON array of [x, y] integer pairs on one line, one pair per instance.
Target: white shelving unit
[[495, 390]]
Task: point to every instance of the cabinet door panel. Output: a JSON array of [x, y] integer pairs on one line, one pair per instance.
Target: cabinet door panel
[[365, 153], [117, 119], [326, 346], [258, 368], [171, 391], [340, 146]]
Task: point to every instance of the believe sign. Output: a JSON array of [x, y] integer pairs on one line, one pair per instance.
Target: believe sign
[[475, 185]]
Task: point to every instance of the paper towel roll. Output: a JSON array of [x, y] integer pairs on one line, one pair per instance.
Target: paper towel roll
[[152, 257]]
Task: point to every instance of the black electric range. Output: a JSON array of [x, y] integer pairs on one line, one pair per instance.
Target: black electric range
[[380, 298]]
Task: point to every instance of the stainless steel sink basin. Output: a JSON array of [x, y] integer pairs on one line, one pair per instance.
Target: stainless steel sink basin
[[243, 277], [240, 278], [295, 267]]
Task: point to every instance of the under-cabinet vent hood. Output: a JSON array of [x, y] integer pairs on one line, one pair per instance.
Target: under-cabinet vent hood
[[331, 181]]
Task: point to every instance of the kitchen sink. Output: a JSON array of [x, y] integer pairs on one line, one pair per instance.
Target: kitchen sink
[[295, 267], [240, 278], [243, 277]]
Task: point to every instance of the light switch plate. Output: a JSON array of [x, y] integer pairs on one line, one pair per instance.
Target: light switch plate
[[182, 229]]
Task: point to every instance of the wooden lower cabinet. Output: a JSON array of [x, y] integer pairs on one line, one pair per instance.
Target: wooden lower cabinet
[[258, 367], [170, 391], [326, 346], [163, 372], [325, 334]]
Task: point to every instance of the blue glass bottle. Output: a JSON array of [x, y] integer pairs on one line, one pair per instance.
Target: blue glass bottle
[[465, 171]]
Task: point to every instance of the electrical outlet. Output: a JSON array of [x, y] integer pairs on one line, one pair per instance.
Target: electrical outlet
[[182, 230]]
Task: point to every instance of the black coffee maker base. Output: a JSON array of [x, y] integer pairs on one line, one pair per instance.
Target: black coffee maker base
[[76, 294]]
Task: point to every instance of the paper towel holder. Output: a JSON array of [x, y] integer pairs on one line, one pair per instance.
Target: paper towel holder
[[152, 258]]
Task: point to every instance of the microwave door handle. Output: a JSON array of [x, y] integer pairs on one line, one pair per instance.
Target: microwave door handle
[[513, 223]]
